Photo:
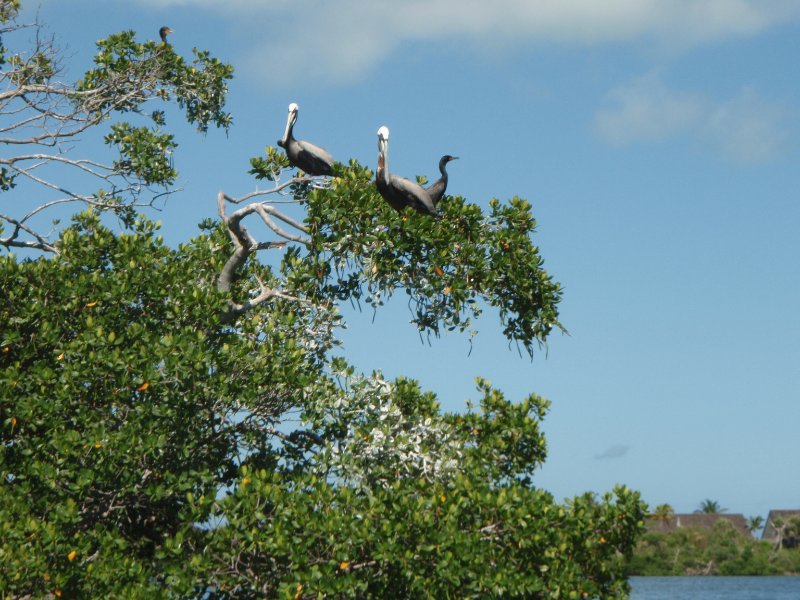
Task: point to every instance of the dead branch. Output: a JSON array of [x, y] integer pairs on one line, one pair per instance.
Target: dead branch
[[38, 109], [245, 245]]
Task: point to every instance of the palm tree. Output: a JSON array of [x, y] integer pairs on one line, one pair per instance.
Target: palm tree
[[663, 513], [711, 507], [754, 524]]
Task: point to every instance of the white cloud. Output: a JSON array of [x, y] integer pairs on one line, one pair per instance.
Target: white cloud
[[746, 129], [344, 39], [647, 111]]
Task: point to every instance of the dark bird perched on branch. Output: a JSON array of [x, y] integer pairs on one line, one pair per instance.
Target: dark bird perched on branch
[[437, 188], [304, 155], [398, 191], [164, 32]]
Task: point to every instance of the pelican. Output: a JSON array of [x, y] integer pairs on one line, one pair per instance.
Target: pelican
[[164, 32], [304, 155], [437, 188], [398, 191]]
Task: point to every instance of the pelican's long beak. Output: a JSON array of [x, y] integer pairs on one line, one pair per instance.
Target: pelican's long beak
[[290, 119]]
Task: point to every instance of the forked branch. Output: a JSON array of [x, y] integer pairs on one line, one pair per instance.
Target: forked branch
[[245, 245]]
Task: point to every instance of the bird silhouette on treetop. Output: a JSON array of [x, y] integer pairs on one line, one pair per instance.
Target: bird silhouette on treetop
[[437, 188], [399, 192], [163, 33], [306, 156]]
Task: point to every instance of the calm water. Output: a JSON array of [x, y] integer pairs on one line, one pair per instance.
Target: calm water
[[715, 588]]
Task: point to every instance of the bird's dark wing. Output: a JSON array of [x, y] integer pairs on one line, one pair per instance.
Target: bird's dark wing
[[436, 190], [413, 195], [389, 194], [312, 159]]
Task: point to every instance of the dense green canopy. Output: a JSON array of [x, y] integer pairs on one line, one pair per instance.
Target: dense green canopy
[[180, 423]]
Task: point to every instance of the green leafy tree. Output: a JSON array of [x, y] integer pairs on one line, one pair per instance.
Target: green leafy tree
[[787, 532], [718, 550], [177, 422], [42, 116]]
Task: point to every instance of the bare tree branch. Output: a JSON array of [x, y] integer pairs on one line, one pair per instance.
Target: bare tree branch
[[12, 241], [39, 109], [245, 244]]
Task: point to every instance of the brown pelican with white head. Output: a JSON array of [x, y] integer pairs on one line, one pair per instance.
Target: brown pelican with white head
[[164, 32], [304, 155], [398, 191], [437, 188]]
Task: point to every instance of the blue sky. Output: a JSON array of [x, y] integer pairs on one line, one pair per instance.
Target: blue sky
[[658, 143]]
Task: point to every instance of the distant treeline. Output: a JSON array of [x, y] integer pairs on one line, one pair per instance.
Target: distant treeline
[[718, 550]]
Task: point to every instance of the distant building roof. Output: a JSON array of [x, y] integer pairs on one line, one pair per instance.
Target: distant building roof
[[770, 534], [697, 520]]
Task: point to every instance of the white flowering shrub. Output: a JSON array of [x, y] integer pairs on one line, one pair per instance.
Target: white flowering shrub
[[371, 438]]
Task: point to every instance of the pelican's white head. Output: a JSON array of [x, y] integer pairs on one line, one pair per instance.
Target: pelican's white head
[[383, 132], [293, 107]]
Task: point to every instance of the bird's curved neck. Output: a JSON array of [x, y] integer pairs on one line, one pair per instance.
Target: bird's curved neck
[[287, 134], [383, 166]]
